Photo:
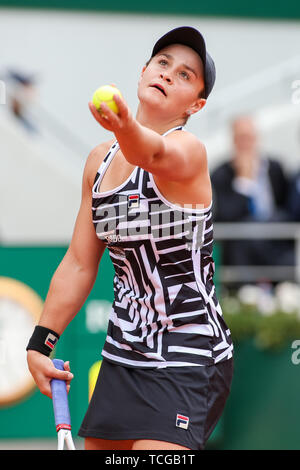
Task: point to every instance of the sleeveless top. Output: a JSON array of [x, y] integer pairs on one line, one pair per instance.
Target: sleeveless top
[[165, 310]]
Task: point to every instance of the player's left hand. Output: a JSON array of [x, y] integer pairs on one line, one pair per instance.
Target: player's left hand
[[111, 121]]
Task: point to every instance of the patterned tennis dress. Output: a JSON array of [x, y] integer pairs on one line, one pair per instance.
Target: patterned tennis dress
[[165, 310]]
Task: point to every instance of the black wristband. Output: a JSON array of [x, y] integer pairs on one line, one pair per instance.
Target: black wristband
[[43, 340]]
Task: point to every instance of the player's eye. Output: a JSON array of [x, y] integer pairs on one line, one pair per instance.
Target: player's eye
[[163, 62], [184, 75]]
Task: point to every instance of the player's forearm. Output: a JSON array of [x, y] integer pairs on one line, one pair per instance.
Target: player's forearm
[[140, 145], [69, 288]]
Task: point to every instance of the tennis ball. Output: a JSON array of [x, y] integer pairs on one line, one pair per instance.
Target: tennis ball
[[105, 94]]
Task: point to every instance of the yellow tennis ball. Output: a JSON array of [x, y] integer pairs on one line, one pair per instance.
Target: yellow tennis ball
[[105, 94]]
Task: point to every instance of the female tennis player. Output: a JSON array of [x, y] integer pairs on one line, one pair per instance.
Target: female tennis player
[[146, 197]]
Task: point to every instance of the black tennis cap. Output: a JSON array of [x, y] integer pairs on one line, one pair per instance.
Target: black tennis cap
[[192, 38]]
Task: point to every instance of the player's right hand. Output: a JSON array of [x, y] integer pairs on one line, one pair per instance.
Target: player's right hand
[[43, 371]]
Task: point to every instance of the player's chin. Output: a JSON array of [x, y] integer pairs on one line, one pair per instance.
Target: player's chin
[[151, 94], [154, 101], [158, 95]]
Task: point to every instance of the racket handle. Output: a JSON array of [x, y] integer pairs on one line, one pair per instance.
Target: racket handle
[[60, 400]]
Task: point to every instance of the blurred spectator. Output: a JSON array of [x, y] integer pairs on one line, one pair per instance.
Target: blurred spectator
[[294, 198], [21, 96], [251, 186]]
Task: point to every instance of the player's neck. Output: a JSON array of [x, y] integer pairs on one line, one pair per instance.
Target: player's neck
[[155, 122]]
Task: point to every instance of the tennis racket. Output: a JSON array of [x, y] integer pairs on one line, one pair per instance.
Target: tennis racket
[[61, 410]]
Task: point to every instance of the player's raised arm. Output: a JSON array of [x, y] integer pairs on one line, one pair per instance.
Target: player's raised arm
[[177, 157]]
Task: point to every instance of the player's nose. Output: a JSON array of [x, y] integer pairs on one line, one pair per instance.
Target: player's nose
[[166, 76]]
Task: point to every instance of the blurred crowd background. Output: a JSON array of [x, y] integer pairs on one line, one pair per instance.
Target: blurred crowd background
[[53, 56]]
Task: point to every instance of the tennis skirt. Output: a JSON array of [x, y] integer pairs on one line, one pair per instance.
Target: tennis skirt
[[181, 405]]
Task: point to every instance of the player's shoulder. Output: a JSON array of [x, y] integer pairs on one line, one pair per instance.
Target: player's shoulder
[[189, 139], [95, 158], [192, 149], [98, 153]]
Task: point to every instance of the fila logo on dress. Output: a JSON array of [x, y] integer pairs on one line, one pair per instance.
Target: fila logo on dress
[[133, 201]]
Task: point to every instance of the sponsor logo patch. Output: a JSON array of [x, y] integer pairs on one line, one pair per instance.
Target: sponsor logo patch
[[133, 201], [51, 340], [182, 421]]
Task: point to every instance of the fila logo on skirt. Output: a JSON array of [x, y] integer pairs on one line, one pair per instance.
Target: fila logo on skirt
[[182, 421], [133, 201]]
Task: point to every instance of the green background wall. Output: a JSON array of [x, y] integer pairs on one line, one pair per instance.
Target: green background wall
[[254, 9], [34, 266]]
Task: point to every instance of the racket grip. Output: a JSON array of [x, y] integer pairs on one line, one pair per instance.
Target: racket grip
[[60, 400]]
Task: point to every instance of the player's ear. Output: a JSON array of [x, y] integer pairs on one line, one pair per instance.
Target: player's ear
[[142, 72], [195, 107]]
